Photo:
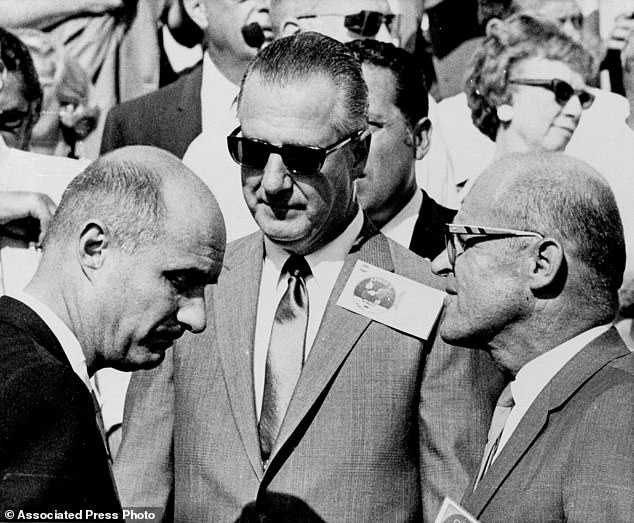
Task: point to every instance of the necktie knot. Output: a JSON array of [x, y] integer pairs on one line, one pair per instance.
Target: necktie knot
[[506, 398], [297, 266]]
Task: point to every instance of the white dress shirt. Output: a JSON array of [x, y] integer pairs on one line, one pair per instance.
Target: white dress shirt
[[70, 344], [401, 227], [209, 157], [325, 265], [537, 373]]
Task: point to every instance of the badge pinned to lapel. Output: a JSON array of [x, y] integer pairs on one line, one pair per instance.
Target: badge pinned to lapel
[[451, 512], [392, 299]]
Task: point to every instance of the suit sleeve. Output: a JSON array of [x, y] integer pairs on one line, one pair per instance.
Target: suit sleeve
[[599, 484], [144, 467], [458, 392]]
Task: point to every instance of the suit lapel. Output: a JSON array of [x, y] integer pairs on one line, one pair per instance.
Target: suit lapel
[[337, 335], [592, 358], [239, 297]]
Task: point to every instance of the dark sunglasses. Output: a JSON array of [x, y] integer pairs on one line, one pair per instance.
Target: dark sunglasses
[[12, 119], [563, 90], [363, 23], [367, 23], [299, 159]]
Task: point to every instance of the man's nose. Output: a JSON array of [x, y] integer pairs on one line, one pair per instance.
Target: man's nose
[[192, 313], [440, 265], [275, 176]]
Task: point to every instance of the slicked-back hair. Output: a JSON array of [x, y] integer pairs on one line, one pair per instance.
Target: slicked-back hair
[[557, 195], [409, 79], [297, 59], [125, 196], [519, 38], [16, 58]]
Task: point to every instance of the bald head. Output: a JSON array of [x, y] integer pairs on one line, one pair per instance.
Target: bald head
[[559, 196], [133, 191]]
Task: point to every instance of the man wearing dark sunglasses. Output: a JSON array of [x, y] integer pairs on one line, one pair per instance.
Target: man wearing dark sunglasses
[[294, 408], [534, 261], [343, 21]]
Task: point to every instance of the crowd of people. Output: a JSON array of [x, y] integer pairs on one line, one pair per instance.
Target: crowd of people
[[326, 285]]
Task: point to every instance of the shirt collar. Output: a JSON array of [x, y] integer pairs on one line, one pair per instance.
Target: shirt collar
[[401, 227], [69, 342], [536, 374], [4, 150], [323, 258], [217, 93]]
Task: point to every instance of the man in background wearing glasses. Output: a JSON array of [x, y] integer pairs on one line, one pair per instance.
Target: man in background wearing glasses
[[293, 407], [534, 260], [343, 21]]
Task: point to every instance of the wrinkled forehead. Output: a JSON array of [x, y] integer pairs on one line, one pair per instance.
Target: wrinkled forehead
[[342, 7], [559, 10]]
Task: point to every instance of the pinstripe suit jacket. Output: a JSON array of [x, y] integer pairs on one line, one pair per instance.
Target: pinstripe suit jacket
[[381, 425], [571, 458]]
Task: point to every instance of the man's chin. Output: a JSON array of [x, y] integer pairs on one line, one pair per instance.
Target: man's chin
[[460, 339], [148, 361]]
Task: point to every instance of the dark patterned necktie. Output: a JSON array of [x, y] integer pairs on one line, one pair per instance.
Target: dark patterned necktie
[[285, 356]]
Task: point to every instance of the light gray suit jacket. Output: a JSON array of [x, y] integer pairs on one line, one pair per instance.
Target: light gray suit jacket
[[379, 427], [571, 458]]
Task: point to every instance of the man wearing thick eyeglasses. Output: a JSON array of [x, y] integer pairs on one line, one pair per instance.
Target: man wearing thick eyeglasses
[[534, 261], [294, 408]]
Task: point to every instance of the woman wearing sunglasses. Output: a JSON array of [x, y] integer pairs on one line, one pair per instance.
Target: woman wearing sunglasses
[[527, 85]]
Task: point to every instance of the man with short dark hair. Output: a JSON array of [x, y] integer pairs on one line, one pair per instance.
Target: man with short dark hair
[[401, 135], [135, 240], [534, 261], [297, 408]]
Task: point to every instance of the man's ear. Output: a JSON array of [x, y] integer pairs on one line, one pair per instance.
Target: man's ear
[[491, 26], [548, 266], [197, 11], [94, 243], [360, 151], [289, 27], [422, 137]]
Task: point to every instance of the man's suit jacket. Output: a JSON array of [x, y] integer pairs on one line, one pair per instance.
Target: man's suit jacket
[[52, 455], [428, 238], [169, 118], [379, 428], [571, 458]]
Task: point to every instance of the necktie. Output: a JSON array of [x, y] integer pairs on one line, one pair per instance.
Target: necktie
[[100, 424], [500, 415], [285, 356]]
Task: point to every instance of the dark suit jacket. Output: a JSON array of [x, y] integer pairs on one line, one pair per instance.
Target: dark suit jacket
[[381, 424], [169, 118], [428, 238], [51, 452], [571, 458]]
